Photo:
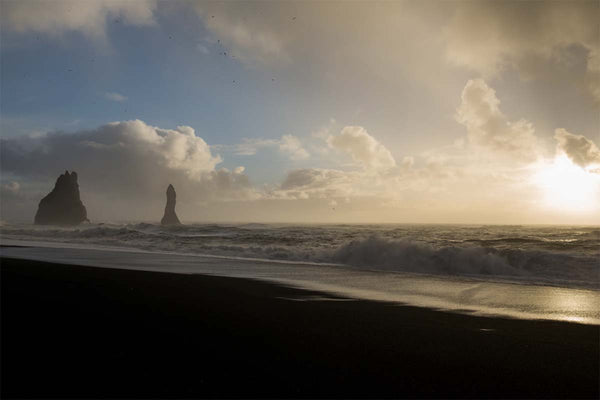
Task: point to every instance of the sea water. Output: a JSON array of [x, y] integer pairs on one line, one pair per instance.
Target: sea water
[[550, 272]]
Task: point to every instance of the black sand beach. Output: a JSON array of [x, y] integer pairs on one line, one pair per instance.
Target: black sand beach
[[70, 331]]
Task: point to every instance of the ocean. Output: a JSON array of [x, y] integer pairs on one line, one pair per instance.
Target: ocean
[[520, 271]]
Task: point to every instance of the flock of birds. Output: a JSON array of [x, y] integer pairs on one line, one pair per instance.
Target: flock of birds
[[118, 21]]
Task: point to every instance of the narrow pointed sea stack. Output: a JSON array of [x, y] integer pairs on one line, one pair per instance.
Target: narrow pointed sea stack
[[170, 218], [62, 206]]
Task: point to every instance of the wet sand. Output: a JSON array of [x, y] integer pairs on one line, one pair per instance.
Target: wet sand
[[71, 331]]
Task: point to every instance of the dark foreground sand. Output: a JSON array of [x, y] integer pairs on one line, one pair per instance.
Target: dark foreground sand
[[70, 331]]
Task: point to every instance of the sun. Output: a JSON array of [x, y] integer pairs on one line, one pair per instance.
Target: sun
[[568, 187]]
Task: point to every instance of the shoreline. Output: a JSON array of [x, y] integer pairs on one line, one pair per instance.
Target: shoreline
[[498, 279], [100, 332], [467, 295], [503, 280]]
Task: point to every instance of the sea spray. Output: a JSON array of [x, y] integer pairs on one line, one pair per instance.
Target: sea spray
[[545, 255]]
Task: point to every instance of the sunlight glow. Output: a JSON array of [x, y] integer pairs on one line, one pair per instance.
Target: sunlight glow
[[568, 187]]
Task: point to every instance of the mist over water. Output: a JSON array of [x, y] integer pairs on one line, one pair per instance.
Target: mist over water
[[543, 255]]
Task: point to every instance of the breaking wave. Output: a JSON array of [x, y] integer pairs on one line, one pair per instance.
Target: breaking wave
[[525, 265], [558, 256]]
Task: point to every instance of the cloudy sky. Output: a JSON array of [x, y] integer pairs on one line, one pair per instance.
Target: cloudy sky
[[415, 111]]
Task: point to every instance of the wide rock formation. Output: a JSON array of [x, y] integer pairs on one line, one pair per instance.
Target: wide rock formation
[[62, 206], [170, 218]]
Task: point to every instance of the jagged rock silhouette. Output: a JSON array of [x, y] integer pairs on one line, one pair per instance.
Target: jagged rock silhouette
[[62, 206], [170, 217]]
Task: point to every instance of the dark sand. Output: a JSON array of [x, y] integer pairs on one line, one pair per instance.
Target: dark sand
[[70, 331]]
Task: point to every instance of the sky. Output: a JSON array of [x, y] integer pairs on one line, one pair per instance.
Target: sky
[[319, 112]]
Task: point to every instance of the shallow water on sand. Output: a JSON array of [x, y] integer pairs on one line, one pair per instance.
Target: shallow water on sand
[[454, 293]]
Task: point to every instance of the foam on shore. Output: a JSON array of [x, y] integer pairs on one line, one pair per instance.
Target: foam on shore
[[458, 294]]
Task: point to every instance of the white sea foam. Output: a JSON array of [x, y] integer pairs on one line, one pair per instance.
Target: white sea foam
[[454, 293], [560, 256]]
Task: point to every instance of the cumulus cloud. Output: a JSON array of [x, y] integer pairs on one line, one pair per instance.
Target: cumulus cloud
[[492, 36], [318, 183], [61, 16], [310, 178], [132, 144], [364, 149], [291, 145], [494, 155], [581, 150], [114, 96], [489, 128], [378, 175], [377, 169], [129, 163], [497, 155]]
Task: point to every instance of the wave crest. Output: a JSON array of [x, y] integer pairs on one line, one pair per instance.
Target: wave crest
[[406, 255], [542, 256]]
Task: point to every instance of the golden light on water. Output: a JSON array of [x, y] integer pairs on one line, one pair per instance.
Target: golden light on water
[[568, 187], [574, 305]]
